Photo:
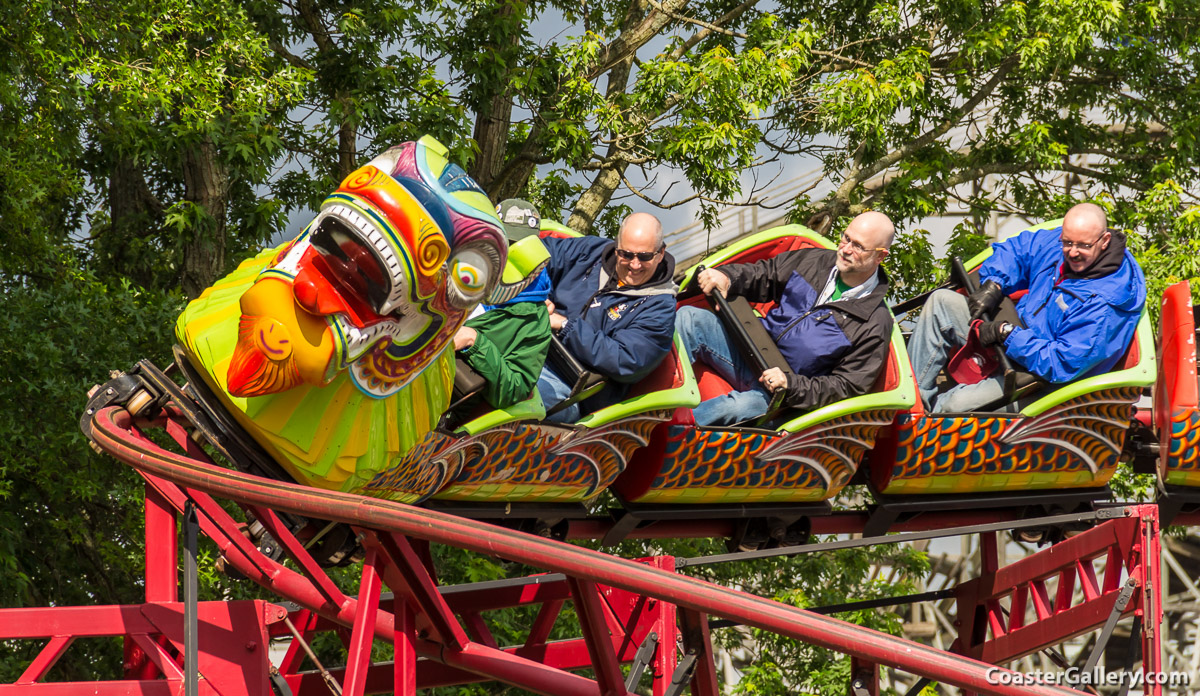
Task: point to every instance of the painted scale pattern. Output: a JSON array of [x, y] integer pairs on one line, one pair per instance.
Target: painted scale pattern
[[1183, 454], [422, 471], [709, 466], [1073, 445], [527, 461]]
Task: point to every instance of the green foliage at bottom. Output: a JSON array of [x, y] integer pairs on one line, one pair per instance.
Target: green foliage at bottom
[[70, 519]]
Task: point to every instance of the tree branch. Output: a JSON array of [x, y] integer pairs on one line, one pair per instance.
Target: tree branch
[[840, 201], [292, 59], [699, 36], [629, 41], [944, 127], [698, 22]]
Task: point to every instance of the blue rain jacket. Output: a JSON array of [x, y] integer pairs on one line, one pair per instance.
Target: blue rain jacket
[[1075, 327]]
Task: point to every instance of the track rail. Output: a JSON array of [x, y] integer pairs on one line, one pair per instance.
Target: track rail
[[114, 430]]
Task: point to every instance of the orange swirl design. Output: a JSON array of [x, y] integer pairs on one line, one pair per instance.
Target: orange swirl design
[[364, 177], [433, 250]]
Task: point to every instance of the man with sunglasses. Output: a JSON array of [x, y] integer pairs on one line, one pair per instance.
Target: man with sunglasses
[[830, 322], [1086, 294], [613, 307]]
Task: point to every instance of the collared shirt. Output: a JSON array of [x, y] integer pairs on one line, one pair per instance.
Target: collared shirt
[[856, 291]]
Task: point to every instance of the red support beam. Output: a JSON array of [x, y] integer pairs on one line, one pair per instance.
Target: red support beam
[[478, 629], [471, 601], [151, 687], [157, 654], [597, 637], [358, 658], [233, 636], [1129, 544], [311, 569], [404, 677], [162, 549], [45, 659], [665, 658], [697, 641], [406, 573], [544, 622]]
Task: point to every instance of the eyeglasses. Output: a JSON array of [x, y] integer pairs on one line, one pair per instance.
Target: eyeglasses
[[1082, 246], [855, 247], [643, 256]]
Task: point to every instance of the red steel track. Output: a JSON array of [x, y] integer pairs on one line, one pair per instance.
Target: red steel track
[[115, 432]]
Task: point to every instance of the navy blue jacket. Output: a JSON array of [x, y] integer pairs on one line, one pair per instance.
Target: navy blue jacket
[[622, 333], [1075, 327], [836, 349]]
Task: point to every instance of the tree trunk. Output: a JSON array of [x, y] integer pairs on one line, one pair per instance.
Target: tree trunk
[[608, 179], [129, 198], [134, 213], [493, 117], [491, 136], [347, 148], [206, 186], [509, 181], [598, 194]]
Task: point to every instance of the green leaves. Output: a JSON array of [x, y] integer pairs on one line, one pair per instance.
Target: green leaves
[[70, 519], [195, 62]]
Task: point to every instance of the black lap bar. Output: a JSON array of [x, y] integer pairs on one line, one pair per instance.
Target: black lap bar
[[584, 382], [752, 340], [467, 383], [1017, 382]]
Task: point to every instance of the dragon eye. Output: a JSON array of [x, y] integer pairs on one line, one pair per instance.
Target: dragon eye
[[471, 272]]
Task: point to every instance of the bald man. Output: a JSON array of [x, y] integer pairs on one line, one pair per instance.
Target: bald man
[[613, 306], [1086, 294], [830, 322]]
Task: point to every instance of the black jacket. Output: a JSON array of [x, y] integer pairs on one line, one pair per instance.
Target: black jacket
[[836, 349]]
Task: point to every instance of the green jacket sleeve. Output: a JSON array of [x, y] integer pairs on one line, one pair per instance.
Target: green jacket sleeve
[[510, 349]]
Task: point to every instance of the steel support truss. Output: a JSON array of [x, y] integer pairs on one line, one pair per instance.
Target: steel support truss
[[643, 614], [1052, 596]]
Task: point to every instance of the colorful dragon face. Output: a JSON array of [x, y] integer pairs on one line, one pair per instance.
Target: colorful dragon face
[[377, 284]]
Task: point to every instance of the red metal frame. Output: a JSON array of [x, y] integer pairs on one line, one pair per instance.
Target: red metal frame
[[1008, 613], [440, 636], [234, 636]]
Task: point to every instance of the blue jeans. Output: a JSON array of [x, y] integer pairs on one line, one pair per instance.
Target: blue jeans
[[554, 389], [706, 341], [941, 330]]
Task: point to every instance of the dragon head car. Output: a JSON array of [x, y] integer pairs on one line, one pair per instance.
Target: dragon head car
[[331, 351]]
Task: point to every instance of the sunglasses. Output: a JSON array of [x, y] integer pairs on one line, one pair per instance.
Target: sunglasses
[[643, 256]]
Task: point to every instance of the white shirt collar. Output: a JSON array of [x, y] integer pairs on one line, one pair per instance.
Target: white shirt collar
[[855, 292]]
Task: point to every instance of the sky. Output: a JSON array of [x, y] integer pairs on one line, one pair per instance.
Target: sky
[[685, 237]]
